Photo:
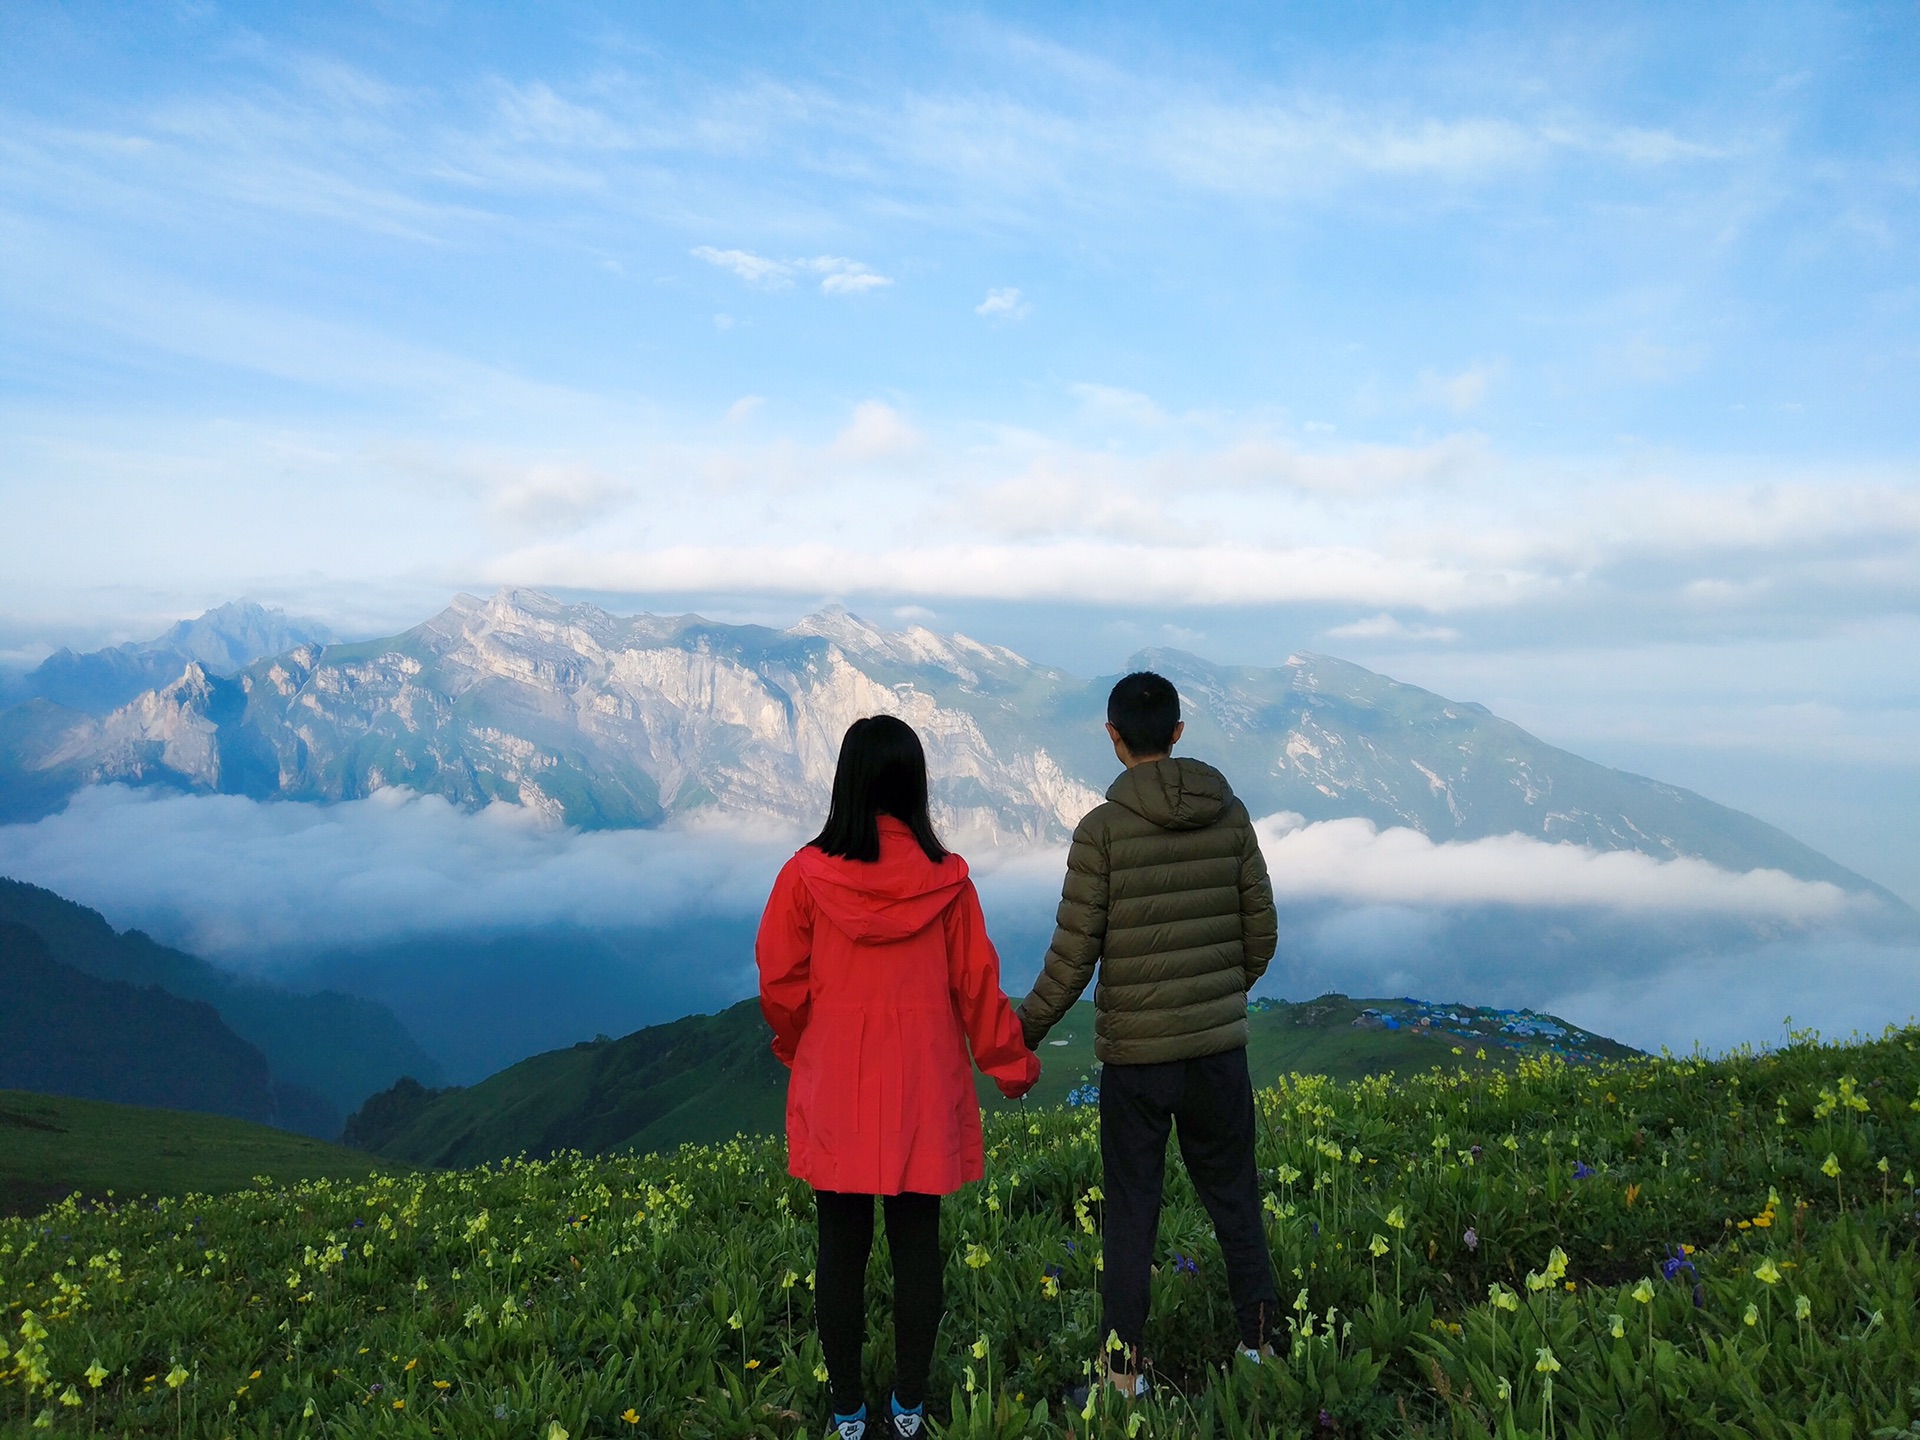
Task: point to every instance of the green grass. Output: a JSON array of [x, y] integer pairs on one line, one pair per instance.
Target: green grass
[[1645, 1249], [52, 1146]]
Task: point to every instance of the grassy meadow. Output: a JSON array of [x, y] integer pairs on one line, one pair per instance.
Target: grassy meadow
[[53, 1146], [1651, 1248]]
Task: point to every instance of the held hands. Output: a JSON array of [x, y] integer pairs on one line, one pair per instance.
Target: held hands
[[1014, 1090]]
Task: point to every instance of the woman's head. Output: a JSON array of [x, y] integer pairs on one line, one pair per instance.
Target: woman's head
[[882, 771]]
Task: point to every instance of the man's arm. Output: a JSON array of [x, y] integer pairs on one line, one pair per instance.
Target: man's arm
[[1080, 932], [1259, 926]]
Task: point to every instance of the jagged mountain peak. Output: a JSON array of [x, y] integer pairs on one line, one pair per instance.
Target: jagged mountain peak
[[600, 720], [223, 641], [967, 660], [232, 636]]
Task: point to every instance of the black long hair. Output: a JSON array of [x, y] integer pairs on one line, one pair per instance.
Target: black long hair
[[882, 771]]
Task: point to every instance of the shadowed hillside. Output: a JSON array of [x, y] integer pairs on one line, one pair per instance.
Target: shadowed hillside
[[68, 1033], [328, 1051]]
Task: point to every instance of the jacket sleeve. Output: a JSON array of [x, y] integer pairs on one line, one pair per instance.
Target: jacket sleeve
[[1079, 935], [1259, 925], [973, 977], [783, 950]]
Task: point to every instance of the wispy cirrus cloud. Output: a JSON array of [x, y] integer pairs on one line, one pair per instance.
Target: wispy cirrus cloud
[[1004, 303], [752, 268], [838, 275]]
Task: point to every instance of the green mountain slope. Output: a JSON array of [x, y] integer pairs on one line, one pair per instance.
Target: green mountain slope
[[709, 1077], [327, 1051], [52, 1146], [69, 1033]]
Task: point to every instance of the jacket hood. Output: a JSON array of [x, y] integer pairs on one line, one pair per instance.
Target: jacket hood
[[1175, 794], [891, 898]]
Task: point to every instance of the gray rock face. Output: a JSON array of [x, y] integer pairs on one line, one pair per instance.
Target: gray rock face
[[593, 719]]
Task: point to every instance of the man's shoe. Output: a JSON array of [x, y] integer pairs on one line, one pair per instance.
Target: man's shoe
[[849, 1427], [907, 1424], [1265, 1355], [1127, 1387]]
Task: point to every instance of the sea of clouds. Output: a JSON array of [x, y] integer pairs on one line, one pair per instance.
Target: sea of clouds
[[1654, 952]]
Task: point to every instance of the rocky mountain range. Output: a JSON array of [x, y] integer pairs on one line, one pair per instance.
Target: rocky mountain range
[[598, 720], [222, 641]]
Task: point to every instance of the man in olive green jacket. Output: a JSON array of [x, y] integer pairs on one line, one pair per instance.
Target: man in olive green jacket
[[1167, 893]]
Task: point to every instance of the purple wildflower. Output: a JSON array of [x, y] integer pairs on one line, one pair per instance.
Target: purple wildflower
[[1676, 1262], [1582, 1170], [1471, 1239]]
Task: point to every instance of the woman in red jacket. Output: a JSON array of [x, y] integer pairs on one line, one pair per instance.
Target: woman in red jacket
[[877, 977]]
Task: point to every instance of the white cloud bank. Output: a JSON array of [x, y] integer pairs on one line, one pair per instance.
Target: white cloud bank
[[1355, 861], [230, 878], [1669, 956]]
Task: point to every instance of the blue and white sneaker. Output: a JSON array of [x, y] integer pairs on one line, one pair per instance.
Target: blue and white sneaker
[[849, 1427], [907, 1424]]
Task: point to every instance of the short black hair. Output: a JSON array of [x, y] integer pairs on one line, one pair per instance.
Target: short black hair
[[882, 771], [1144, 708]]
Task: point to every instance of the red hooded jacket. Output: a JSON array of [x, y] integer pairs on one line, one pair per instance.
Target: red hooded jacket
[[876, 979]]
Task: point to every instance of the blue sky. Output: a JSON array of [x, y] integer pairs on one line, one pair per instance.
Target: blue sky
[[1560, 359]]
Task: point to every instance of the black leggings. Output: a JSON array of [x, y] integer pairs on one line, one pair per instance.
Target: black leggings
[[840, 1290]]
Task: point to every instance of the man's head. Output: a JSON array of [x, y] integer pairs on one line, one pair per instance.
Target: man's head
[[1143, 717]]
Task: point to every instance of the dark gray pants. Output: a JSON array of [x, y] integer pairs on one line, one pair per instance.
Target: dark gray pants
[[1211, 1101]]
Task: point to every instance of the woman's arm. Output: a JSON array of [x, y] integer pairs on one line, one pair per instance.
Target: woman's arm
[[783, 951], [973, 976]]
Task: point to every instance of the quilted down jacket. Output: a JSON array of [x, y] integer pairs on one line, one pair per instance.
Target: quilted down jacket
[[1167, 892]]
